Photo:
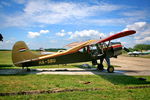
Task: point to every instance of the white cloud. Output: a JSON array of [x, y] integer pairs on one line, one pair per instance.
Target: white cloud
[[7, 43], [36, 34], [144, 40], [50, 12], [111, 33], [142, 31], [113, 21], [44, 31], [69, 33], [86, 34], [135, 13], [61, 33], [138, 26]]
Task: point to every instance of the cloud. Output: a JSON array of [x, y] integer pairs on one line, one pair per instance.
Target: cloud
[[113, 21], [144, 40], [7, 43], [36, 34], [81, 35], [44, 31], [135, 13], [50, 12], [86, 34], [142, 31], [138, 26], [61, 33]]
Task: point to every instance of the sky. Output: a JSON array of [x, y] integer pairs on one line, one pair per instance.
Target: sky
[[56, 23]]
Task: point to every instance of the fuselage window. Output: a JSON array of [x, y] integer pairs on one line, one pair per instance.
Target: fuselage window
[[83, 50]]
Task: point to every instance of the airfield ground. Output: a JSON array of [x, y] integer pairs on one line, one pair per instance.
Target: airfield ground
[[132, 65]]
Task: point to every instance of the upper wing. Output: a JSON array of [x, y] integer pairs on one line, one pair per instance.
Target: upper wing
[[73, 44], [90, 42], [118, 35]]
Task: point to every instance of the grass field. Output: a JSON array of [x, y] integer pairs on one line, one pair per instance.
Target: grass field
[[113, 87]]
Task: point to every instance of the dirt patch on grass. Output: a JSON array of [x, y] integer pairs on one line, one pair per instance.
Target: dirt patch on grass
[[65, 90]]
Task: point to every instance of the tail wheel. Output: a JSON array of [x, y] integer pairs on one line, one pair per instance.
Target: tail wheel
[[110, 69], [100, 67]]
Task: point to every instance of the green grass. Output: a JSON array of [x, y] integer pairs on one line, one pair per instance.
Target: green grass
[[113, 87]]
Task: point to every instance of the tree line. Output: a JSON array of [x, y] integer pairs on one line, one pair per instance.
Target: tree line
[[140, 47]]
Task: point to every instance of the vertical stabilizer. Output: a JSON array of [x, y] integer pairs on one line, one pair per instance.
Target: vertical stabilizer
[[21, 53]]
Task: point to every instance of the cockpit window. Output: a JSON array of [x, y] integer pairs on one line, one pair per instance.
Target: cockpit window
[[83, 49], [93, 47]]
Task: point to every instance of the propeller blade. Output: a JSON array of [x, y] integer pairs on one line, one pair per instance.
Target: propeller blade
[[126, 49]]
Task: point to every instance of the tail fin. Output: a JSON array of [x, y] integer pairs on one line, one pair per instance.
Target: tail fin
[[21, 52]]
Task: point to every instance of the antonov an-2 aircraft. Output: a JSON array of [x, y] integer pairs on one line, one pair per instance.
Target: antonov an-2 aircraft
[[91, 50]]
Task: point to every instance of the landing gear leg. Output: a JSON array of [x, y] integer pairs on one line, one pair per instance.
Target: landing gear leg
[[100, 66], [28, 70], [110, 68]]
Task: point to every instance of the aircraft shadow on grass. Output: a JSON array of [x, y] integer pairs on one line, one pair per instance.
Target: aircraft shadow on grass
[[6, 65], [120, 78]]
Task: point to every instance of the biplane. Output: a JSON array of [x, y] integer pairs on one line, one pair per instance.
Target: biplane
[[91, 50]]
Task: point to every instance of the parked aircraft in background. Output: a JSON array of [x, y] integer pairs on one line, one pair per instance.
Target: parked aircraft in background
[[137, 53]]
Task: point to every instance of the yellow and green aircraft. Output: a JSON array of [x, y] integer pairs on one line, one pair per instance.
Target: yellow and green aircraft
[[91, 50]]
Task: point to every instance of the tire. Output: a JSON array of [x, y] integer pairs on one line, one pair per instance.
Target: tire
[[110, 69], [100, 67]]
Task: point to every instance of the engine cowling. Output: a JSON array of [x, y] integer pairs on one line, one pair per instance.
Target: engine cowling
[[117, 48]]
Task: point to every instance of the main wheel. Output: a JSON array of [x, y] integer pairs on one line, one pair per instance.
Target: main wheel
[[110, 69], [100, 67]]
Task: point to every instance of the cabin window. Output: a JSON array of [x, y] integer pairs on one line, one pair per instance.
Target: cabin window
[[93, 47], [83, 49]]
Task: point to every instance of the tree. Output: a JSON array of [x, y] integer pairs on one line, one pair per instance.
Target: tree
[[142, 47]]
